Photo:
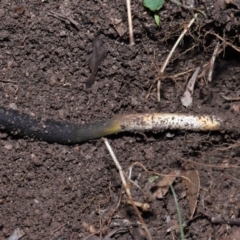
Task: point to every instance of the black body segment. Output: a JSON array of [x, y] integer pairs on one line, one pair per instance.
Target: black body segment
[[20, 124]]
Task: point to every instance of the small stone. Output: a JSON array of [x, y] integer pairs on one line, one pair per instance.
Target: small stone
[[8, 146], [46, 217], [63, 33], [13, 106], [35, 160], [149, 153], [53, 80], [61, 113]]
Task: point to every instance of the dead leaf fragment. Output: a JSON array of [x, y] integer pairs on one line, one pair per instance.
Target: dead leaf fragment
[[163, 185], [117, 22], [119, 26], [187, 98], [17, 234], [191, 180]]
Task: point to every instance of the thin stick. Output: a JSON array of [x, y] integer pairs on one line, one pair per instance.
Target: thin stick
[[181, 73], [169, 76], [219, 220], [144, 206], [64, 17], [212, 61], [231, 98], [174, 76], [57, 229], [130, 22], [126, 186], [171, 53], [225, 42]]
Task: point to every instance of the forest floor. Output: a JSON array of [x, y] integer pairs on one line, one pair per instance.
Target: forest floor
[[58, 192]]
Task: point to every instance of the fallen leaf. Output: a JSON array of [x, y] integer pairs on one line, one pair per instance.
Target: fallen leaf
[[191, 180], [163, 185]]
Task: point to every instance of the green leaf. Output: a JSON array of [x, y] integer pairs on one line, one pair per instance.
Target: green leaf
[[157, 19], [153, 5]]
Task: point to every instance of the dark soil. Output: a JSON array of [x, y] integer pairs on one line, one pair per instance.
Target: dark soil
[[52, 191]]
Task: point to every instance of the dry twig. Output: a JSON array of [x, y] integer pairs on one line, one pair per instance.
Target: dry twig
[[220, 220], [231, 98], [170, 55], [212, 61], [144, 206], [126, 187], [130, 22], [225, 42], [64, 17]]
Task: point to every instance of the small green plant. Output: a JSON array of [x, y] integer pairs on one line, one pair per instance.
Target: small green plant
[[154, 6]]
